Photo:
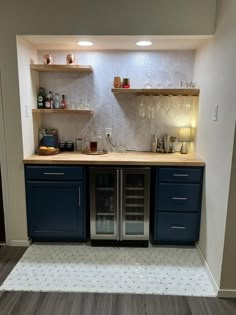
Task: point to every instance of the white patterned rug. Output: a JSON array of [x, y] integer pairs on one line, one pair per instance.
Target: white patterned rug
[[81, 268]]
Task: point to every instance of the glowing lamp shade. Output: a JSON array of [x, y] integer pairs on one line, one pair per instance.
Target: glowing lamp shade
[[184, 136]]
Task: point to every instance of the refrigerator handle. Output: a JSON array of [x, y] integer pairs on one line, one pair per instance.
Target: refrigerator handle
[[121, 205], [117, 207]]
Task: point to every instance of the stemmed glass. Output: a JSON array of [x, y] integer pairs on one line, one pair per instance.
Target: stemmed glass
[[188, 104], [158, 103]]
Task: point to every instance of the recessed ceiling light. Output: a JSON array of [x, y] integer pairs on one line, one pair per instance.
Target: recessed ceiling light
[[144, 43], [85, 43]]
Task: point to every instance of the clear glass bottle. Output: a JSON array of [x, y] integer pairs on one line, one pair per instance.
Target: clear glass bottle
[[56, 104], [51, 99]]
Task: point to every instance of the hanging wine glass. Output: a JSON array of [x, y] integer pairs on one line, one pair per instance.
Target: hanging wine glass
[[152, 104], [141, 107], [188, 104], [158, 103]]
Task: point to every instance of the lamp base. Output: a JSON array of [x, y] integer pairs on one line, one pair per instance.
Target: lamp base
[[184, 148]]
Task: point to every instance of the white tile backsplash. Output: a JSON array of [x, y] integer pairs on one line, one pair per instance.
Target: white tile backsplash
[[121, 112]]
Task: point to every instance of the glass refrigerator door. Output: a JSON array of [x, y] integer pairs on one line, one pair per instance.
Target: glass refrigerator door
[[135, 203], [103, 203]]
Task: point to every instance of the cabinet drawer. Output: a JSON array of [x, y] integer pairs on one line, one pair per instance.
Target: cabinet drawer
[[179, 197], [180, 174], [53, 172], [177, 227]]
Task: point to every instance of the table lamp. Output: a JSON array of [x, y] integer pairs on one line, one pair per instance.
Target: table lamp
[[184, 137]]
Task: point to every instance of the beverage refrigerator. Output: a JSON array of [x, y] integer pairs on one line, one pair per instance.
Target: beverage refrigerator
[[119, 205]]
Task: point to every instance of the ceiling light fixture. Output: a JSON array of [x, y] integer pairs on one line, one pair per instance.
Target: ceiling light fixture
[[85, 43], [144, 43]]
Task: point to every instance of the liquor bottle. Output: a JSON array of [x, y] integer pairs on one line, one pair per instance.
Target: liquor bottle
[[63, 102], [56, 101], [41, 98], [51, 99], [48, 101]]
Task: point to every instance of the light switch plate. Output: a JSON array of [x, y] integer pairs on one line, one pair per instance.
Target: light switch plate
[[27, 111], [215, 112]]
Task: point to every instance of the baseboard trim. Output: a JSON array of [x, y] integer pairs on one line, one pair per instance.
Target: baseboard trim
[[208, 270], [227, 293], [23, 243]]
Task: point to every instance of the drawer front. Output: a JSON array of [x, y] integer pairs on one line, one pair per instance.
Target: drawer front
[[53, 172], [177, 227], [179, 197], [180, 175]]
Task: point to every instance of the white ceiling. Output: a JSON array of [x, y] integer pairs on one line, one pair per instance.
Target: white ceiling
[[59, 42]]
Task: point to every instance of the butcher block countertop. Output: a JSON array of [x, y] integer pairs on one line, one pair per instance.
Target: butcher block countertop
[[114, 158]]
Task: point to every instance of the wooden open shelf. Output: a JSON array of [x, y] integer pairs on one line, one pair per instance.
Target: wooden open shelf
[[61, 68], [63, 111], [165, 92]]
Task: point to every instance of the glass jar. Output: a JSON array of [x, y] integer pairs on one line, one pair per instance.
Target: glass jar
[[93, 145]]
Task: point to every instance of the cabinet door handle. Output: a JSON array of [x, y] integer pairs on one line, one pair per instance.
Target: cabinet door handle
[[60, 174], [117, 207], [79, 196], [121, 205], [174, 227], [179, 198], [180, 175]]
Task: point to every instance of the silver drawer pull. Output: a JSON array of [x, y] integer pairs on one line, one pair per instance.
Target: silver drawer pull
[[60, 174], [79, 196], [179, 198], [178, 227], [181, 175]]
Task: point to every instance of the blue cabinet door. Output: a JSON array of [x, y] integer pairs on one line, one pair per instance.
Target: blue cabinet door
[[56, 210]]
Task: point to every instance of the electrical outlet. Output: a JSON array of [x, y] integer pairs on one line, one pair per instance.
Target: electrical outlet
[[108, 131]]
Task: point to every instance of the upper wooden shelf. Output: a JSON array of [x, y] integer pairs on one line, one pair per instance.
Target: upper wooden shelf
[[62, 111], [165, 92], [61, 68]]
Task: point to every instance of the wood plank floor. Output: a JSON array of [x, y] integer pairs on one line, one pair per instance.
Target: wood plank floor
[[29, 303]]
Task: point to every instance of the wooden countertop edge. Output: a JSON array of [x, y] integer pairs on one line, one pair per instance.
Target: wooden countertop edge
[[71, 159], [114, 163]]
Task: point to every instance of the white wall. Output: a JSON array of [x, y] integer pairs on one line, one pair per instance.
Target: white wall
[[75, 17], [214, 143], [121, 112], [28, 84], [228, 276]]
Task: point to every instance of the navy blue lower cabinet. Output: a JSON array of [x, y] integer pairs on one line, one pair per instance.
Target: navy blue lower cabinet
[[177, 208], [56, 209]]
